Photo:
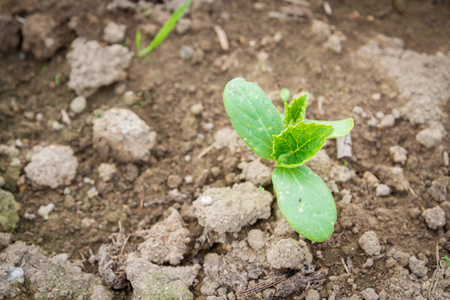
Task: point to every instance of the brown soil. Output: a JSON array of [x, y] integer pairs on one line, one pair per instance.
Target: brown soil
[[168, 86]]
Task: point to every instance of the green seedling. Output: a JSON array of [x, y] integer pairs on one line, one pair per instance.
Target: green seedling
[[57, 80], [303, 197], [284, 95], [445, 261], [162, 33]]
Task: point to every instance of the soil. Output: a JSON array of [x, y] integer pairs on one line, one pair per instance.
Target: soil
[[166, 87]]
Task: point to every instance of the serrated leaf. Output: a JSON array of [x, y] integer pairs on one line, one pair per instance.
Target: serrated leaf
[[295, 111], [341, 127], [253, 115], [296, 144], [305, 201]]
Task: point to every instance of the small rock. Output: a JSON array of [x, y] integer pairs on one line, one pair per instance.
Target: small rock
[[379, 115], [230, 209], [56, 126], [418, 267], [107, 171], [435, 217], [383, 190], [65, 117], [186, 52], [398, 154], [9, 209], [78, 104], [376, 96], [344, 146], [312, 295], [196, 109], [430, 137], [52, 166], [256, 172], [121, 4], [369, 294], [438, 191], [341, 173], [333, 43], [369, 243], [94, 66], [183, 26], [39, 36], [256, 239], [320, 29], [44, 211], [188, 179], [388, 121], [174, 181], [123, 135], [289, 253], [114, 33], [92, 192]]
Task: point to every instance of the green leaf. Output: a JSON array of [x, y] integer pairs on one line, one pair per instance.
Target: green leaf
[[341, 127], [285, 94], [305, 201], [296, 144], [253, 115], [138, 41], [295, 112], [166, 29]]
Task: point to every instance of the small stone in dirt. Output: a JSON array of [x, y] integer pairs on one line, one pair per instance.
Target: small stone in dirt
[[174, 181], [52, 166], [398, 154], [186, 52], [188, 179], [256, 172], [5, 239], [369, 243], [39, 36], [438, 191], [341, 173], [45, 210], [435, 217], [183, 26], [387, 122], [114, 33], [376, 96], [78, 104], [9, 34], [321, 29], [312, 295], [107, 171], [383, 190], [149, 281], [379, 115], [8, 211], [369, 294], [289, 253], [92, 192], [333, 43], [430, 137], [94, 66], [229, 209], [56, 126], [392, 176], [166, 241], [121, 4], [418, 267], [123, 135], [196, 109], [256, 239]]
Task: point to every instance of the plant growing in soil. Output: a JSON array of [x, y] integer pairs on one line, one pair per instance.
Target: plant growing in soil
[[162, 33], [303, 197]]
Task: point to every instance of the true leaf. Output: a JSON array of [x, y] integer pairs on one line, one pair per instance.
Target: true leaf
[[253, 115], [341, 127], [296, 144], [295, 112], [305, 201]]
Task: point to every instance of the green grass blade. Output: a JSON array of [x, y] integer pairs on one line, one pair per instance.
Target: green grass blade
[[166, 29], [305, 201], [341, 127], [138, 42]]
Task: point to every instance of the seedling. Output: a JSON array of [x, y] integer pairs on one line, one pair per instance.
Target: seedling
[[284, 95], [162, 33], [303, 197], [444, 261]]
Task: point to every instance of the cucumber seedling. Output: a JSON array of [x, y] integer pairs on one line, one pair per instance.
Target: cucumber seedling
[[303, 197], [162, 33]]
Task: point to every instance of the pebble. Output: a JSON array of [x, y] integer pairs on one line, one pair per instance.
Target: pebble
[[196, 109], [379, 115], [66, 191], [92, 192], [39, 117], [56, 126], [186, 52], [183, 26], [29, 217], [429, 137], [445, 158], [256, 239], [187, 158], [188, 179], [369, 243], [369, 294], [114, 33], [29, 115], [65, 117], [376, 96], [398, 154], [387, 122], [18, 143], [373, 122], [44, 211], [383, 190], [174, 181], [312, 295], [417, 266], [106, 171], [333, 43], [434, 217], [87, 180], [15, 162]]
